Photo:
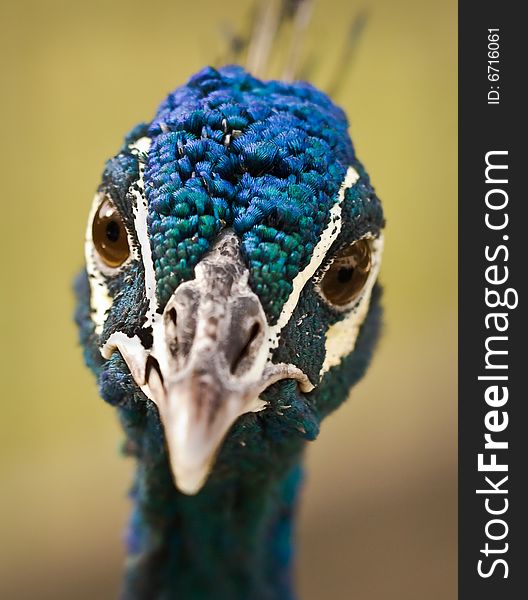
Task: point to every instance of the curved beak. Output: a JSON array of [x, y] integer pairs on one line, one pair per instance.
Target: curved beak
[[197, 410], [209, 362]]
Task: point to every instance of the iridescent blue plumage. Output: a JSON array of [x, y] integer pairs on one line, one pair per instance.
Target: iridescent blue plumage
[[266, 158], [265, 161]]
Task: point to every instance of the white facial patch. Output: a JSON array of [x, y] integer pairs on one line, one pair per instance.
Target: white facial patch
[[328, 237], [141, 147], [341, 336]]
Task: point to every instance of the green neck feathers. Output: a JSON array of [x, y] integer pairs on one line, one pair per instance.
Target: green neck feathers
[[226, 543]]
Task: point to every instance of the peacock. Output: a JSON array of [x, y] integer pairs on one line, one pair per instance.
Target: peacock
[[228, 304]]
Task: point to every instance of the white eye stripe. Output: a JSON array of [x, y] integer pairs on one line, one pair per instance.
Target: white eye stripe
[[100, 299], [142, 146], [328, 237]]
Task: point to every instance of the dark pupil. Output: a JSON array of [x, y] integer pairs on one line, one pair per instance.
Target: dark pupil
[[112, 231], [344, 275]]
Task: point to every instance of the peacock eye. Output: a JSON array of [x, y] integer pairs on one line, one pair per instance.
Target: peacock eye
[[109, 235], [346, 277]]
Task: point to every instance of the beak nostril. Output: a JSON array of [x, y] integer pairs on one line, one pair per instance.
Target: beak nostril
[[171, 323], [172, 316], [152, 365], [246, 348]]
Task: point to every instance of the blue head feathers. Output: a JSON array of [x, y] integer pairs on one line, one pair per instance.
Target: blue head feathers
[[264, 158]]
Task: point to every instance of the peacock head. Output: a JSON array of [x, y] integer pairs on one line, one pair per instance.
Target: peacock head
[[232, 252]]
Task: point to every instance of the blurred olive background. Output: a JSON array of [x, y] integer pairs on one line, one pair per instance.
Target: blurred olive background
[[378, 519]]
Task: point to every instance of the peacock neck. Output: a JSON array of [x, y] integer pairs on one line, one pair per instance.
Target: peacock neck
[[231, 541]]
